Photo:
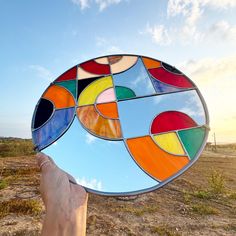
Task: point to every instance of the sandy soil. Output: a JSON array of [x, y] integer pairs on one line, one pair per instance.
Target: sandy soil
[[187, 206]]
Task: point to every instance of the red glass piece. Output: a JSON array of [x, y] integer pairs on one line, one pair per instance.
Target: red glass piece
[[95, 68], [170, 78], [68, 75], [170, 121]]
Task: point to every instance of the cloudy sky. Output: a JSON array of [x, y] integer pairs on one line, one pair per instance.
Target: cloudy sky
[[41, 39]]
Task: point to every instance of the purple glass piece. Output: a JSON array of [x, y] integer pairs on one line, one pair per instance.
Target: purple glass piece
[[163, 88], [54, 128]]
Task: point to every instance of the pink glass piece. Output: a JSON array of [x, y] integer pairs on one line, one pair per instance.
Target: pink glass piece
[[106, 96]]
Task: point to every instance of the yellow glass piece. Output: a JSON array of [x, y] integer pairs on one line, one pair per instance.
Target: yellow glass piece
[[169, 142], [90, 93]]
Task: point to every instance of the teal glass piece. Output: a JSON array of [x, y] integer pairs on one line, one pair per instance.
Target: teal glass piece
[[69, 85], [123, 93], [192, 140]]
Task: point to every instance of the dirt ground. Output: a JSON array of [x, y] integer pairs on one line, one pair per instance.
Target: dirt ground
[[200, 202]]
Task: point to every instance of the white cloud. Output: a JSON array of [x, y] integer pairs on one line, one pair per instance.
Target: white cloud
[[189, 111], [141, 81], [41, 72], [157, 99], [193, 101], [82, 3], [191, 10], [216, 79], [159, 34], [107, 47], [102, 4], [89, 139], [220, 4], [208, 70], [190, 14], [90, 183], [223, 30]]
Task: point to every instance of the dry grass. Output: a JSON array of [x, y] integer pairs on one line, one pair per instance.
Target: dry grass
[[203, 209], [136, 210], [200, 202], [3, 184], [217, 182], [12, 147], [19, 206], [163, 230]]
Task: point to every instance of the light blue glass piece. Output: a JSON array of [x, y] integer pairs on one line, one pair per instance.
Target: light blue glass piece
[[136, 78], [136, 115], [54, 128], [104, 166]]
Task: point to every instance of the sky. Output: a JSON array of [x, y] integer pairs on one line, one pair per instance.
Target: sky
[[41, 39]]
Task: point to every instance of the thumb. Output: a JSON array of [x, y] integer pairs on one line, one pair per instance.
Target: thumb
[[44, 161]]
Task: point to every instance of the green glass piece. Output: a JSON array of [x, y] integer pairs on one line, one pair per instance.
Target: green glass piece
[[192, 140], [69, 85], [124, 93]]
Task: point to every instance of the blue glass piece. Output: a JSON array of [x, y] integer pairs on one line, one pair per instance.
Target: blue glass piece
[[99, 164], [163, 88], [136, 78], [136, 115], [54, 128]]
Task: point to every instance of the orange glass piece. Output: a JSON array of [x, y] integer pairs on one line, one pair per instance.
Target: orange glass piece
[[60, 97], [108, 110], [97, 124], [150, 63], [156, 162]]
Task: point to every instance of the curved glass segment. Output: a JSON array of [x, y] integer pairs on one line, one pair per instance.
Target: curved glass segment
[[140, 123], [54, 128]]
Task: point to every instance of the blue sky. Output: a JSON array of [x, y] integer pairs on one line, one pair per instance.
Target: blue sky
[[97, 163], [41, 39]]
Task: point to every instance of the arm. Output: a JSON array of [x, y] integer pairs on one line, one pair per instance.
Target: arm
[[65, 202]]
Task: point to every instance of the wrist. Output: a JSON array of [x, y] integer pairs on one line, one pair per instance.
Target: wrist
[[65, 220]]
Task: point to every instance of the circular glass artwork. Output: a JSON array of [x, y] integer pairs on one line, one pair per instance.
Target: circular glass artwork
[[121, 124]]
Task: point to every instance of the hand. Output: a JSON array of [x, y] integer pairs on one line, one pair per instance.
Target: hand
[[65, 202]]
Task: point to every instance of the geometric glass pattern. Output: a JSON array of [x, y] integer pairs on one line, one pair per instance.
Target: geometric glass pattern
[[154, 114]]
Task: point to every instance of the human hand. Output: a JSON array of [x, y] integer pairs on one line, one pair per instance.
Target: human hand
[[65, 202]]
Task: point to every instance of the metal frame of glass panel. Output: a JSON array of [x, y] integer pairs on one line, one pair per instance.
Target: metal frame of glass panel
[[161, 183]]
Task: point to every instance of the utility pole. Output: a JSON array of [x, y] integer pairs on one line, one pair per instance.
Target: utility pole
[[214, 135]]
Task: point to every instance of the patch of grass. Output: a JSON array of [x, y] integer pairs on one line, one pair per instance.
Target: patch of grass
[[12, 147], [203, 209], [19, 171], [19, 206], [232, 195], [138, 211], [163, 230], [202, 194], [217, 182], [216, 188], [230, 227], [187, 196], [3, 184]]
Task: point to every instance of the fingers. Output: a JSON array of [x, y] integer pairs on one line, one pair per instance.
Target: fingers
[[44, 161]]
